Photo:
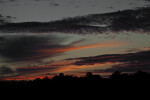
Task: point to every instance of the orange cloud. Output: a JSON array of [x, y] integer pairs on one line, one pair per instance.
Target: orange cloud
[[71, 48], [69, 66]]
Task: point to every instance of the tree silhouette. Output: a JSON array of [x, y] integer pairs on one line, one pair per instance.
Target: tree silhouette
[[61, 75], [89, 74], [62, 80], [116, 75]]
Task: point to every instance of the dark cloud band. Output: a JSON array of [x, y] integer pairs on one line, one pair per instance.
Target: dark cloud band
[[18, 48], [127, 20], [129, 62]]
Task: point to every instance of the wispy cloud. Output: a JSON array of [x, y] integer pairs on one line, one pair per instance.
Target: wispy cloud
[[130, 62], [72, 47]]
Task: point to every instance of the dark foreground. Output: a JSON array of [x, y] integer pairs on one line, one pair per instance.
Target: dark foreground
[[116, 79]]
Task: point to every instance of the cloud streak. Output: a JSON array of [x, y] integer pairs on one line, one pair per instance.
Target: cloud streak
[[72, 48], [130, 62]]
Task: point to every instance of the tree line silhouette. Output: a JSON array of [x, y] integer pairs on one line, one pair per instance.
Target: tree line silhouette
[[89, 78]]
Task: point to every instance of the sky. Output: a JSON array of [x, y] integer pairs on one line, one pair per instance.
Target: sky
[[47, 10], [41, 38]]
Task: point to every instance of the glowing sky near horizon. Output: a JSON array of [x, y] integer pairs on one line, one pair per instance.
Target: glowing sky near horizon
[[52, 60]]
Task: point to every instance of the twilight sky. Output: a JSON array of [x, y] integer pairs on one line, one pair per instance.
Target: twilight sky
[[41, 38], [46, 10]]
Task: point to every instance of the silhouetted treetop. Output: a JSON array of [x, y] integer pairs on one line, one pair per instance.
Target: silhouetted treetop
[[89, 78]]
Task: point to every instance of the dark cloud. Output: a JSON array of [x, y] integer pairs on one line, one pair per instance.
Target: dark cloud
[[5, 19], [2, 1], [18, 48], [2, 38], [132, 50], [31, 70], [12, 0], [127, 20], [4, 70], [6, 1], [131, 57], [63, 26], [77, 42], [130, 62], [129, 67], [7, 72], [32, 47]]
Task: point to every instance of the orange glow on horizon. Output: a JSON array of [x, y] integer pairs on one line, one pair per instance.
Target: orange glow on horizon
[[63, 66], [67, 67], [19, 78]]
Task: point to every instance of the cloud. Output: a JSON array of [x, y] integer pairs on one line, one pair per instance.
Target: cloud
[[129, 67], [4, 70], [35, 47], [26, 47], [32, 70], [26, 72], [5, 19], [72, 47], [127, 20], [129, 62], [2, 1]]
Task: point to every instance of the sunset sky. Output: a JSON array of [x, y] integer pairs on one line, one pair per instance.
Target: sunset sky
[[41, 38]]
